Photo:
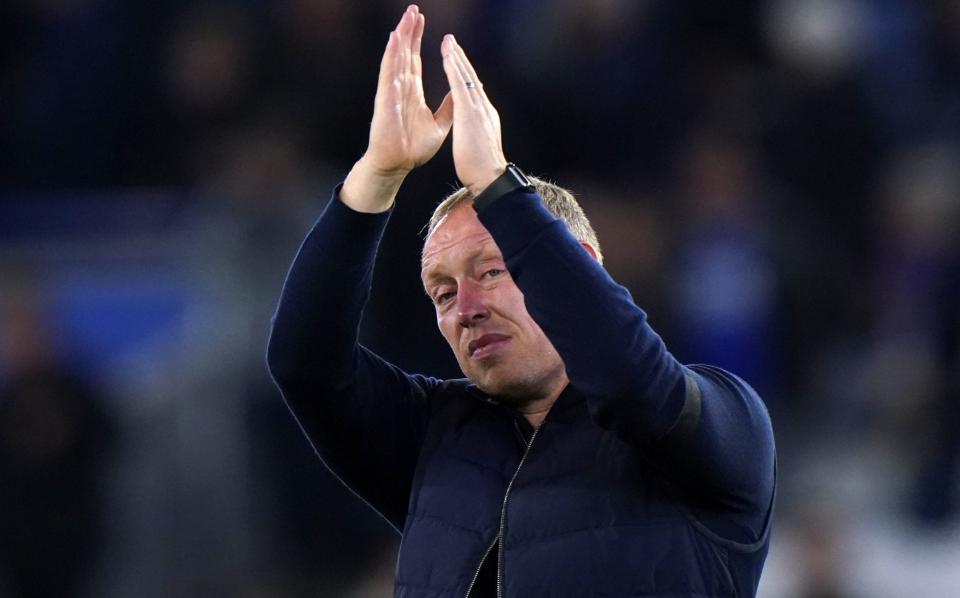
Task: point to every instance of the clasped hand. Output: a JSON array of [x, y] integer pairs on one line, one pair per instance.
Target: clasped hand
[[405, 133]]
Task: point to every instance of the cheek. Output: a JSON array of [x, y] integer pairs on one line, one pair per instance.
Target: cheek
[[448, 328], [515, 308]]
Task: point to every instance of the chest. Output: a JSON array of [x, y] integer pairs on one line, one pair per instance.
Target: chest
[[575, 502]]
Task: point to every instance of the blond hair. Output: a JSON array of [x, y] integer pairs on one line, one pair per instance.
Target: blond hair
[[558, 201]]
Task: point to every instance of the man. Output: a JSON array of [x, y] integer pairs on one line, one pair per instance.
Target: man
[[578, 458]]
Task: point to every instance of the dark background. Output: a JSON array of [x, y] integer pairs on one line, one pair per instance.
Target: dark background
[[778, 184]]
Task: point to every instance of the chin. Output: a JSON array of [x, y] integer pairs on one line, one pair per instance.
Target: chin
[[514, 391], [515, 380]]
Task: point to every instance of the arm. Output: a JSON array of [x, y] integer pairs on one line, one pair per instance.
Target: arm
[[364, 416], [706, 429]]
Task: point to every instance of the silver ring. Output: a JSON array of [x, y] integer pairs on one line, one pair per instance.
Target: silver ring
[[470, 85]]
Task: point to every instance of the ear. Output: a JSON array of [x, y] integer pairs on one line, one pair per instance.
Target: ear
[[590, 250]]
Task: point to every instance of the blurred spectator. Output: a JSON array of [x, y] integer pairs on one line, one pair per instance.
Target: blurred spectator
[[634, 234], [71, 90], [819, 215], [54, 441], [602, 72], [914, 353], [726, 282], [821, 554], [206, 85]]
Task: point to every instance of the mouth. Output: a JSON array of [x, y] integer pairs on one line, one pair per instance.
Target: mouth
[[486, 345]]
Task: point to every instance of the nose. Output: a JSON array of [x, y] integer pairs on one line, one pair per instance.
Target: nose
[[471, 304]]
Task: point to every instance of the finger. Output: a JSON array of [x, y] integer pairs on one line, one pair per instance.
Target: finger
[[444, 114], [406, 29], [405, 58], [407, 21], [470, 74], [465, 64], [417, 63], [476, 92], [476, 87], [388, 65], [419, 21], [405, 32], [391, 56], [455, 77]]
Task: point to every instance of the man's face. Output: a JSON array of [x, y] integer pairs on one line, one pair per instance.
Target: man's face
[[481, 313]]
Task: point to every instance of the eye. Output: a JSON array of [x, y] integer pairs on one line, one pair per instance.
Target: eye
[[493, 272], [442, 298]]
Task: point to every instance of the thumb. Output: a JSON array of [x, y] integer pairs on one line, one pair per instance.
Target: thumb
[[444, 114]]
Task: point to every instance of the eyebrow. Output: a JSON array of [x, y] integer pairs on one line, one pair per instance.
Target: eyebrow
[[434, 276], [475, 257]]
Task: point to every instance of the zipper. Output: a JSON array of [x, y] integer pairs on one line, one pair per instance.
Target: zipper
[[503, 515], [476, 573], [503, 521]]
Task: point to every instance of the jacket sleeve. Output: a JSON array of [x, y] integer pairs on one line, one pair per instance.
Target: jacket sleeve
[[705, 428], [363, 416]]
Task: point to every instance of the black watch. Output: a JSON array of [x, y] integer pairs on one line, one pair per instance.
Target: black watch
[[511, 180]]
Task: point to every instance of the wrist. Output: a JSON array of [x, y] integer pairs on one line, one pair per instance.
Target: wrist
[[509, 181], [477, 187], [370, 189]]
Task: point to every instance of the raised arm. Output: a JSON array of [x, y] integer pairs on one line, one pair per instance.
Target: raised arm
[[704, 428], [365, 417]]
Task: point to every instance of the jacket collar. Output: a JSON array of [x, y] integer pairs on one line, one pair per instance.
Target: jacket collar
[[569, 406]]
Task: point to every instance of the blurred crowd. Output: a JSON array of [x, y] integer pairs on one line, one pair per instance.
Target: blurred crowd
[[777, 182]]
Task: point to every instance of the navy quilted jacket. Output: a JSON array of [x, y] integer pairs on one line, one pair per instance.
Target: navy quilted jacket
[[647, 478]]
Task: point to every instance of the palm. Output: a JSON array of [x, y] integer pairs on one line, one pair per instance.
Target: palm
[[405, 133]]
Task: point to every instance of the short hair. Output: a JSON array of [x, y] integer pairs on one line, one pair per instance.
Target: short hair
[[559, 201]]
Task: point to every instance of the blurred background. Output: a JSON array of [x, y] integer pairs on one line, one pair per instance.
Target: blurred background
[[777, 182]]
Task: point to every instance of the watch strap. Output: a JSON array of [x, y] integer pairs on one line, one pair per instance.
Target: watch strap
[[511, 180]]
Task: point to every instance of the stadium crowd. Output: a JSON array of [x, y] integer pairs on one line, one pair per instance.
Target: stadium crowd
[[777, 182]]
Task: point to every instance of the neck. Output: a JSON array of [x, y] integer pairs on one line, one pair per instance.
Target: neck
[[536, 411]]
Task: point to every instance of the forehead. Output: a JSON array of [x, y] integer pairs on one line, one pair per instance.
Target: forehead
[[460, 235]]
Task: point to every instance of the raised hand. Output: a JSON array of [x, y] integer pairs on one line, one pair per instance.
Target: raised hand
[[404, 132], [477, 142]]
